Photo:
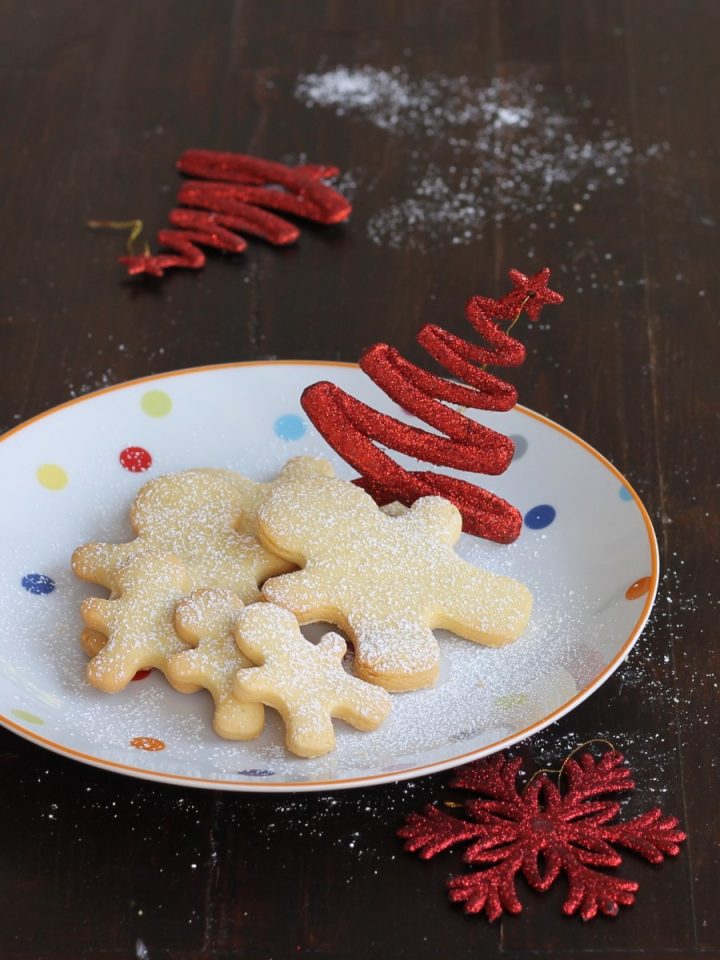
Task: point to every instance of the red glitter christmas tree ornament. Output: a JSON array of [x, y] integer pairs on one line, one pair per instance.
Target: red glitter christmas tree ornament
[[541, 832], [234, 195], [352, 428], [302, 193]]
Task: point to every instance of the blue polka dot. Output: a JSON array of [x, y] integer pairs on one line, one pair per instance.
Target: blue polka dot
[[625, 494], [540, 517], [256, 773], [38, 583], [289, 427], [521, 445]]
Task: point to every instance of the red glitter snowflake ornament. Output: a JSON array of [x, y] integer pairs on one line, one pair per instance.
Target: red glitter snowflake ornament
[[540, 832]]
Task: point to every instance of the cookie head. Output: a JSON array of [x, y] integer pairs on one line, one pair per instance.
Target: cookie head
[[386, 580], [212, 496], [297, 468], [302, 517]]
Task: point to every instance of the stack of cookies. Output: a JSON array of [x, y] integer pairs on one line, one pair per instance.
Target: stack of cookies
[[223, 571]]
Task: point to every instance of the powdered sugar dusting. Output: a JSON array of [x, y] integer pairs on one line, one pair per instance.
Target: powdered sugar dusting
[[580, 619], [515, 144], [388, 579]]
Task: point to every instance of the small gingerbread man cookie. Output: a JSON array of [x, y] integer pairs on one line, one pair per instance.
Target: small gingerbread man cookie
[[386, 580], [206, 518], [205, 620], [304, 682], [138, 623]]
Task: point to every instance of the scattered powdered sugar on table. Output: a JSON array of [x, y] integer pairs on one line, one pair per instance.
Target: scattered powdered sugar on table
[[518, 150], [433, 105], [675, 697]]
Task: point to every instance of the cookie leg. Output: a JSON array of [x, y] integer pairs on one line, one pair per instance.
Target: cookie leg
[[309, 731], [364, 706], [112, 669], [234, 720], [397, 655]]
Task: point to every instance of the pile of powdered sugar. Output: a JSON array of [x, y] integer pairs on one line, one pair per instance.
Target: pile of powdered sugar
[[517, 151]]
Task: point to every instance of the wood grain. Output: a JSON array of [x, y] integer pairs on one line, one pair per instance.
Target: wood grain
[[98, 101]]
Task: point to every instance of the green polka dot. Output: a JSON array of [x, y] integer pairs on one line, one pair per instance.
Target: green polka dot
[[27, 717], [51, 476], [511, 700], [156, 403]]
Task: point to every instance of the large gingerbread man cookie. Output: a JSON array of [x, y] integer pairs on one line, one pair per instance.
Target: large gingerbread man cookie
[[206, 518], [386, 580]]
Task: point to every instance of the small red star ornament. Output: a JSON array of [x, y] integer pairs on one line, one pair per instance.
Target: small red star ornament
[[532, 293], [541, 832]]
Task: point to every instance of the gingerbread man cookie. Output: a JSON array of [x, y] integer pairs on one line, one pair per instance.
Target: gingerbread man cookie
[[208, 519], [205, 620], [386, 580], [306, 683], [138, 622]]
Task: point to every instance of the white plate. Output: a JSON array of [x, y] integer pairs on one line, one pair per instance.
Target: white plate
[[62, 484]]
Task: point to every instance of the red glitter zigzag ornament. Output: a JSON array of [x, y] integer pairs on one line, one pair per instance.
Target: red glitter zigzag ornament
[[235, 196], [352, 428], [541, 832]]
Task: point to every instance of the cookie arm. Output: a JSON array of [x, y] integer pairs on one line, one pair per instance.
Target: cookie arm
[[99, 562], [97, 614], [183, 668], [484, 607], [299, 592], [208, 612]]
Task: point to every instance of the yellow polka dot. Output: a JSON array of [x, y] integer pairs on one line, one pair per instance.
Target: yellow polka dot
[[27, 716], [156, 403], [511, 700], [51, 476]]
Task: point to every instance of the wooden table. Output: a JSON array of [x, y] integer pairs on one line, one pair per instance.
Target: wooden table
[[588, 143]]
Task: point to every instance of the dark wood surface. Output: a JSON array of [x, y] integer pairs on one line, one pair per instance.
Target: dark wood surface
[[98, 100]]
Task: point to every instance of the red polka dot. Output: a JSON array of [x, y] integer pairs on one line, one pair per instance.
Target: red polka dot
[[135, 459]]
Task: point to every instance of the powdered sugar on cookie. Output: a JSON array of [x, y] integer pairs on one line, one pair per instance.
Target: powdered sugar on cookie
[[387, 581]]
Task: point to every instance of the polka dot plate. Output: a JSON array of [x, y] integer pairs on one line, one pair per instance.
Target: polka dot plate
[[587, 552]]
